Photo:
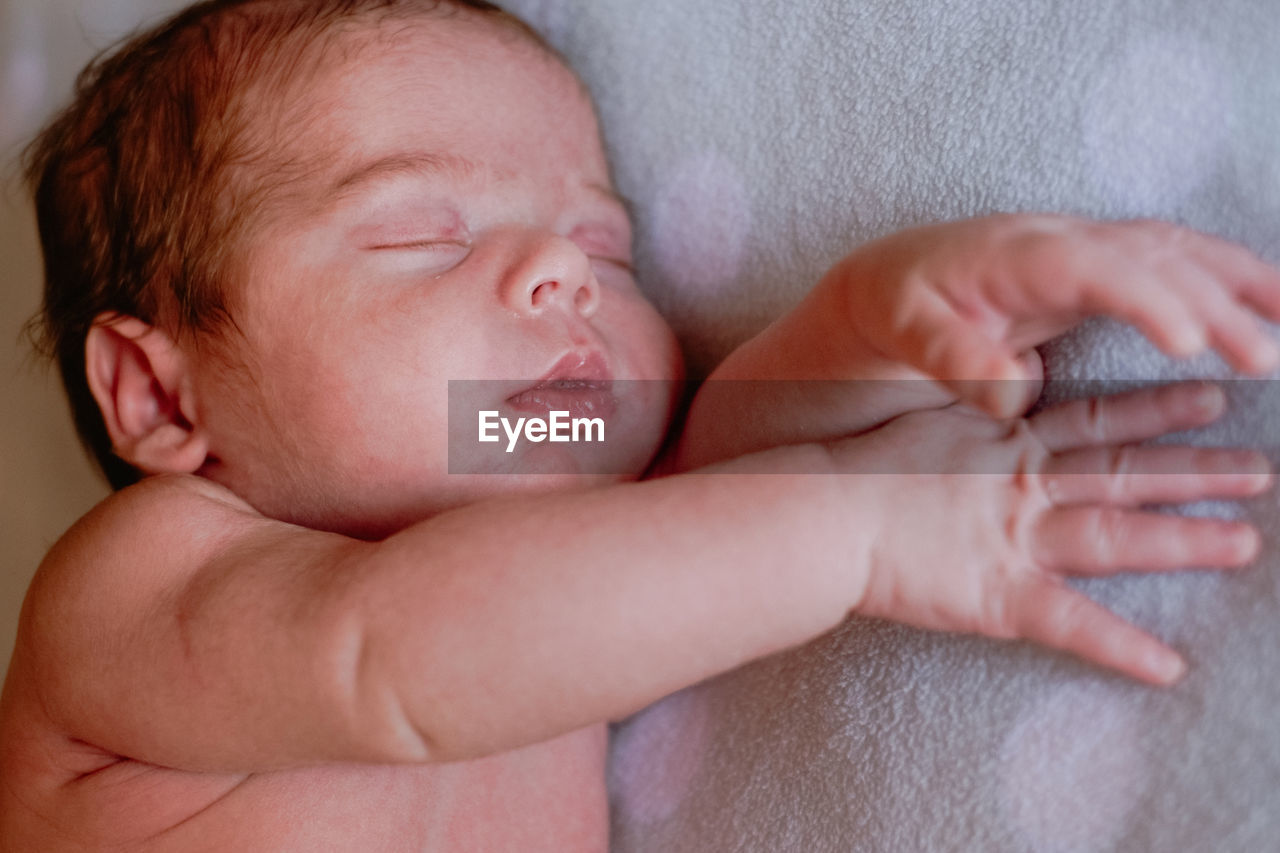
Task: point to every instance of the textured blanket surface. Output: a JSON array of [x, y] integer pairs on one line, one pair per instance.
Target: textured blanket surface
[[761, 141]]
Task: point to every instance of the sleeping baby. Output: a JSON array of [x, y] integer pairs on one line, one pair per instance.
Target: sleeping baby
[[275, 231]]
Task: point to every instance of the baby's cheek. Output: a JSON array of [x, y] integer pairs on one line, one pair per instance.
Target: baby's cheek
[[663, 366], [642, 337], [364, 418]]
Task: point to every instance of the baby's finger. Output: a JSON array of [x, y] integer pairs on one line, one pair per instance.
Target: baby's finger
[[1255, 282], [1135, 294], [1059, 617], [1129, 417], [933, 338], [1101, 540], [1174, 282], [1129, 475], [1233, 331], [1242, 343]]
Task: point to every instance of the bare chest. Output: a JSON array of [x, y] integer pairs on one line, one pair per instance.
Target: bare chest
[[545, 797]]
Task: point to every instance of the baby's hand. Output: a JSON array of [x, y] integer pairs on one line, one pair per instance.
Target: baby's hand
[[980, 537], [968, 300]]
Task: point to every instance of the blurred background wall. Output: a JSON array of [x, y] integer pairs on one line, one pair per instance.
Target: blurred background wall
[[46, 481]]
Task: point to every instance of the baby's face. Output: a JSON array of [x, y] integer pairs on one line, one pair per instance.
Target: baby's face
[[461, 226]]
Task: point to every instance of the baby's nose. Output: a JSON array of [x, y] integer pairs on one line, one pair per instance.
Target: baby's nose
[[551, 273]]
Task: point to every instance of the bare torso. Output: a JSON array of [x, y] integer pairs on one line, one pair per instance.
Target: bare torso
[[60, 794]]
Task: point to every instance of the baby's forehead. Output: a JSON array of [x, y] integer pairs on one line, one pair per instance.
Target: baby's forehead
[[349, 53], [299, 128]]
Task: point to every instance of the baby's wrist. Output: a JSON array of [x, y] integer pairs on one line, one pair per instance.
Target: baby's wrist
[[849, 503]]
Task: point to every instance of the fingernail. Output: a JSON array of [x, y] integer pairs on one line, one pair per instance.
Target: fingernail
[[1256, 467], [1170, 668], [1250, 543], [1208, 400]]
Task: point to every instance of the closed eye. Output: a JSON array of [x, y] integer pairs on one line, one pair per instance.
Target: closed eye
[[433, 257], [422, 245], [621, 264]]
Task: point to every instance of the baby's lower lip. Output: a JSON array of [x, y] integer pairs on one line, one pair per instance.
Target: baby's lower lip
[[580, 398]]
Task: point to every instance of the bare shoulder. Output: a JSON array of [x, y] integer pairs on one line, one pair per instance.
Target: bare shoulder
[[117, 564], [151, 533], [125, 559], [155, 509]]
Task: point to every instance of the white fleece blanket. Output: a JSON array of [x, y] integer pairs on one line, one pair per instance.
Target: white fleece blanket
[[760, 141]]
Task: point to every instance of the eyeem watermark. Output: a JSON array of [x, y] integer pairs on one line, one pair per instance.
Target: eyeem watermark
[[558, 428], [561, 428]]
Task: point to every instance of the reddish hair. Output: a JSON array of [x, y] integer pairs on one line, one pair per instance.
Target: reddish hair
[[139, 184]]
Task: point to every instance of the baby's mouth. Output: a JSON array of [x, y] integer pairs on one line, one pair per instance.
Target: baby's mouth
[[578, 384], [581, 398]]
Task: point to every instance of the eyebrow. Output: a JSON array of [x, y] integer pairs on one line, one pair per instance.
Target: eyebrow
[[432, 163], [418, 163]]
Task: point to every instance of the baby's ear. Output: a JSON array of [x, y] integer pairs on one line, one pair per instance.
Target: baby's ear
[[139, 377]]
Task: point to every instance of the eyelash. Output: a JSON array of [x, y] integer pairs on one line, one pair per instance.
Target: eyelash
[[615, 262], [424, 244]]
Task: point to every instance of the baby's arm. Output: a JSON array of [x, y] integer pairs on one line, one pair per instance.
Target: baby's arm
[[965, 303], [176, 626]]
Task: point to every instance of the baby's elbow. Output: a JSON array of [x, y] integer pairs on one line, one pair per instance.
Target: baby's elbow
[[380, 724], [394, 720]]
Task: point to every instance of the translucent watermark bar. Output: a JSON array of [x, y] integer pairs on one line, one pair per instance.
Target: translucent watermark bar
[[620, 427]]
